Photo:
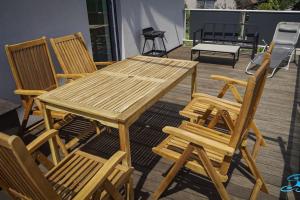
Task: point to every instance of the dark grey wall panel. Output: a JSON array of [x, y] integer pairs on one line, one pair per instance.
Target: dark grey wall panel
[[30, 19], [266, 22], [200, 17]]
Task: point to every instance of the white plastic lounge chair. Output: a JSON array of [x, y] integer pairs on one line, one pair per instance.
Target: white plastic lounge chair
[[285, 39]]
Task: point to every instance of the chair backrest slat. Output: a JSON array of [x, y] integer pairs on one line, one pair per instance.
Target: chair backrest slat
[[31, 65], [251, 100], [72, 54], [19, 173]]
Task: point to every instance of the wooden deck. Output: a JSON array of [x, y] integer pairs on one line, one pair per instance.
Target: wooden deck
[[278, 117]]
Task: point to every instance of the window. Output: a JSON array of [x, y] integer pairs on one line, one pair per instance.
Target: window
[[100, 29]]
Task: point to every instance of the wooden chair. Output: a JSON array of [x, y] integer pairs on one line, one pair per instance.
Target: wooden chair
[[201, 113], [210, 152], [34, 74], [79, 176], [73, 55]]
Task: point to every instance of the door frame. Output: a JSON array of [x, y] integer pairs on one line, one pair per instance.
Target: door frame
[[113, 29]]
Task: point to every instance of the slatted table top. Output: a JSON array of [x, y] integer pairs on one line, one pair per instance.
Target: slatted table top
[[121, 90]]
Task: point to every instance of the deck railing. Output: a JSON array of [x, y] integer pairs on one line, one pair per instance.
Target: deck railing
[[264, 21]]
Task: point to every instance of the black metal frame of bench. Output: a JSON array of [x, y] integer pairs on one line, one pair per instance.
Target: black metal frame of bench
[[219, 33]]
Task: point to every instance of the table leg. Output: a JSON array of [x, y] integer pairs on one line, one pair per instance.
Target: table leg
[[194, 82], [52, 141], [125, 146], [238, 57], [233, 63], [162, 38], [144, 47]]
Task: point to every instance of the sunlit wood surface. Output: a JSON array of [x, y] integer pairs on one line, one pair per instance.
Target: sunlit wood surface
[[278, 117]]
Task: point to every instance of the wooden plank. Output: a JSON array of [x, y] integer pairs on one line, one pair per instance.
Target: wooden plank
[[274, 118], [120, 95]]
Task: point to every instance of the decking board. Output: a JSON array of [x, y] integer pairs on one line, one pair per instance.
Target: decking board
[[274, 117], [277, 117]]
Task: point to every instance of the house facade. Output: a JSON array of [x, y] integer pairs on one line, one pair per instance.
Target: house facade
[[219, 4], [112, 28], [211, 4]]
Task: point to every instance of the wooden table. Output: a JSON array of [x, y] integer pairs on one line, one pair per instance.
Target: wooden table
[[117, 95]]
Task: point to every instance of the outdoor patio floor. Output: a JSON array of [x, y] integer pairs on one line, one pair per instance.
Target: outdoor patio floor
[[278, 117]]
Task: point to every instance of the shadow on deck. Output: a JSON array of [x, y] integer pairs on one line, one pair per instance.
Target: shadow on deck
[[278, 117]]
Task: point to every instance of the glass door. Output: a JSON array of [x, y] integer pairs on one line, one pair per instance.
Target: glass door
[[101, 31]]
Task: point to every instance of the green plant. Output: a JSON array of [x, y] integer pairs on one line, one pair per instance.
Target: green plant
[[277, 4], [187, 21], [260, 49], [270, 5]]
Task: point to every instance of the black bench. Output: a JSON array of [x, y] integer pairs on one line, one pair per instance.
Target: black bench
[[228, 34]]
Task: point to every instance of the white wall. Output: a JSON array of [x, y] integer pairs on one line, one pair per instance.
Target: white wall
[[225, 4], [30, 19], [191, 4], [134, 15]]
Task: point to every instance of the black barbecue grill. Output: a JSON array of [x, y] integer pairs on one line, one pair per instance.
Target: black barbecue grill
[[151, 34]]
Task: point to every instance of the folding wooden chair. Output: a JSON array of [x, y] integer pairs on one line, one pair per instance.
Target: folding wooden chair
[[73, 55], [79, 176], [34, 74], [201, 113], [210, 152]]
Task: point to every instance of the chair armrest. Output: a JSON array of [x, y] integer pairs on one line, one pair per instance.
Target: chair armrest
[[71, 76], [202, 95], [199, 140], [104, 63], [218, 103], [229, 80], [40, 140], [30, 92], [189, 114], [99, 178]]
